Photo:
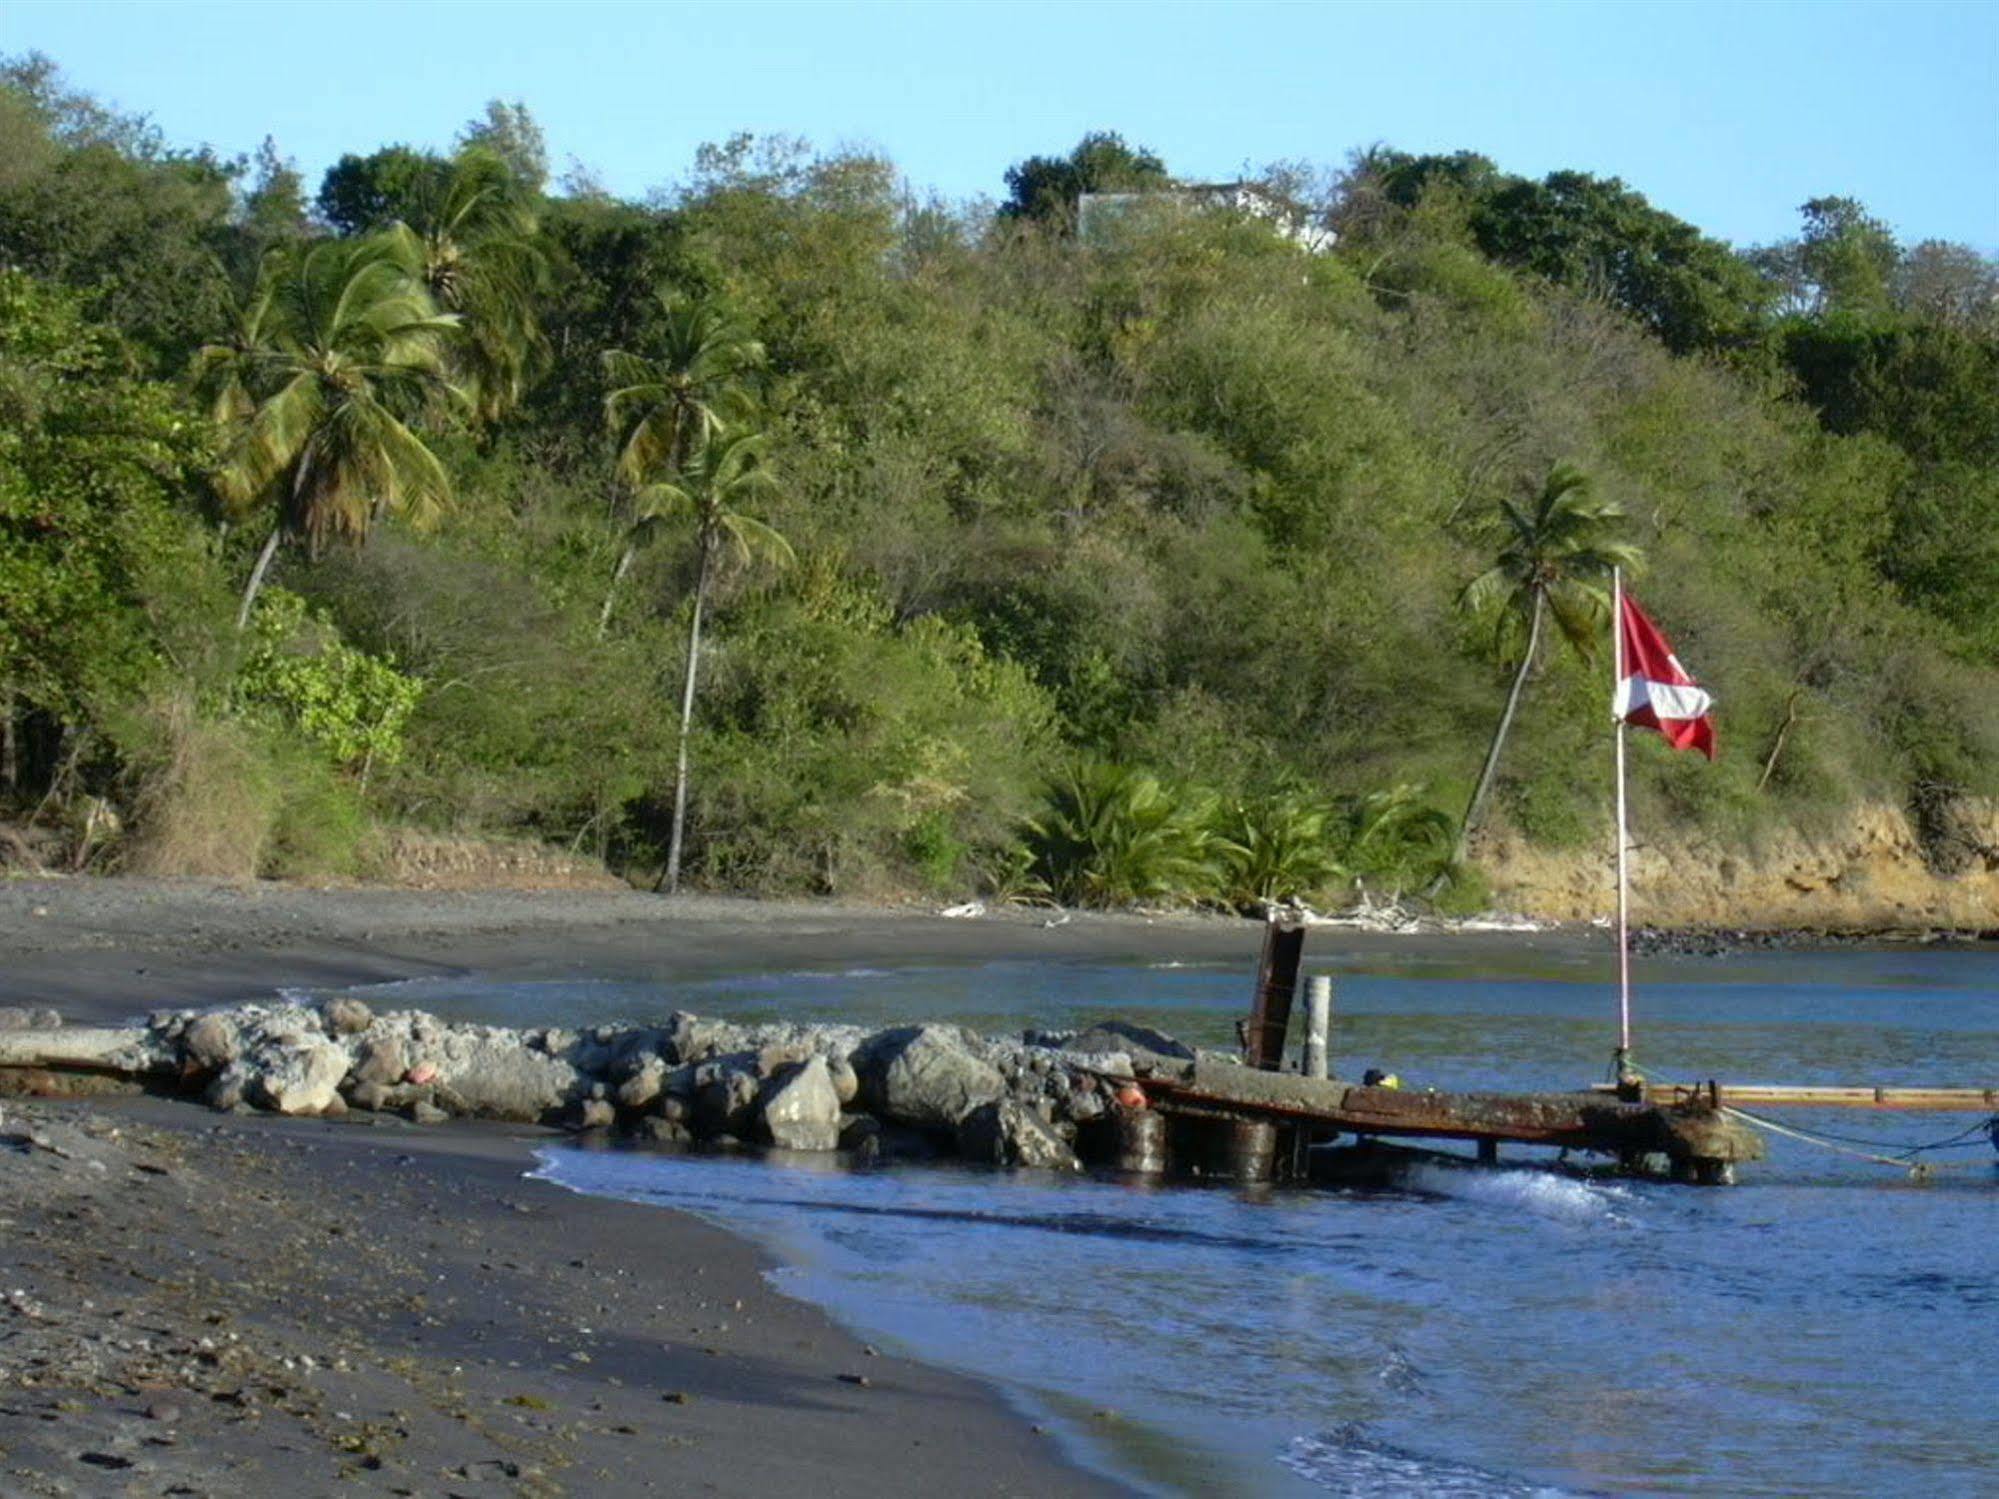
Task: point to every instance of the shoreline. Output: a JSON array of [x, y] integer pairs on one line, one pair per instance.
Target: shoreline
[[101, 949]]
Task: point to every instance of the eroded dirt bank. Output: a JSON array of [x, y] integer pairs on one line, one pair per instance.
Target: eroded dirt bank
[[1873, 873]]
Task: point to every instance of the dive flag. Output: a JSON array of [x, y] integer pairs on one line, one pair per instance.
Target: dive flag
[[1654, 690]]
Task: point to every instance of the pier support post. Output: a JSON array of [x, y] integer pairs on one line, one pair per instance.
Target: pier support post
[[1318, 1023], [1141, 1142]]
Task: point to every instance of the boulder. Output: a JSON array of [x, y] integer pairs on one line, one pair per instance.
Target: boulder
[[591, 1113], [346, 1017], [801, 1111], [211, 1042], [663, 1131], [496, 1076], [1006, 1133], [928, 1076], [302, 1078], [846, 1082], [225, 1089], [642, 1086], [368, 1094], [20, 1018], [382, 1059], [1119, 1046], [725, 1100]]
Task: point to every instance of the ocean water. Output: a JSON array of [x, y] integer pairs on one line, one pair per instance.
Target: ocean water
[[1829, 1327]]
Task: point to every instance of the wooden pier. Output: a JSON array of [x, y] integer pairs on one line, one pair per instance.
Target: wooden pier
[[1694, 1140], [1254, 1120]]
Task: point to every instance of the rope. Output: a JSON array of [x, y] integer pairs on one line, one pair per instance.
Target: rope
[[1902, 1162]]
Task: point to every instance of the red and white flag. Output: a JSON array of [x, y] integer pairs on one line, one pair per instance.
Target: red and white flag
[[1654, 691]]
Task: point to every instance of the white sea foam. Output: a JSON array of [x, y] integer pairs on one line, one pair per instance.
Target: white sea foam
[[1541, 1193], [1347, 1462]]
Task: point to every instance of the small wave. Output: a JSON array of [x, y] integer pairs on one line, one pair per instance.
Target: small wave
[[1348, 1462], [1538, 1192]]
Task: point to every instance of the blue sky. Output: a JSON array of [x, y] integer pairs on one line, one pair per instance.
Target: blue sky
[[1728, 114]]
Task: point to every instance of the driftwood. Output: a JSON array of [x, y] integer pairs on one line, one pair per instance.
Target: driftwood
[[124, 1052]]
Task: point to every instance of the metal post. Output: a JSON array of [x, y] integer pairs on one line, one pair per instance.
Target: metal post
[[1623, 874], [1276, 987], [1318, 1022]]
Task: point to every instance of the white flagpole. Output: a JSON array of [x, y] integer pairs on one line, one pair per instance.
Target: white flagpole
[[1623, 883]]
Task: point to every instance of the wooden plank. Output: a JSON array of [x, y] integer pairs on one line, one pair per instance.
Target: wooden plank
[[1764, 1095]]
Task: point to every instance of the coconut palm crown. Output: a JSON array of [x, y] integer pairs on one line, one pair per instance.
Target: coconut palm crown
[[338, 351], [1559, 549]]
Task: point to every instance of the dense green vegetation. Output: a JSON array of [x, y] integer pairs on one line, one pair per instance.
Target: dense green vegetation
[[1173, 563]]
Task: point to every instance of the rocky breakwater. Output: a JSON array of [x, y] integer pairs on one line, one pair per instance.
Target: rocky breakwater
[[910, 1090]]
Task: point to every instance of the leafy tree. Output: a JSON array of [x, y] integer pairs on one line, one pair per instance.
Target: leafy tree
[[1842, 264], [664, 406], [273, 210], [1555, 550], [341, 351], [359, 194], [1044, 189], [1596, 235], [1950, 284], [95, 201], [724, 473], [512, 134], [92, 463]]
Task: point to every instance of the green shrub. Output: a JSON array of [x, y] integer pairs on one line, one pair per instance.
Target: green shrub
[[1112, 835], [1278, 846], [352, 707]]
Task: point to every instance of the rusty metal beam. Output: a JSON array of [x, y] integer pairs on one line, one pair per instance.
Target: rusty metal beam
[[1276, 989], [1577, 1121]]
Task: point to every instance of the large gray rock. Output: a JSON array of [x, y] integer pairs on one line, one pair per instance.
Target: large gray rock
[[846, 1083], [20, 1018], [642, 1086], [381, 1059], [494, 1074], [300, 1078], [211, 1042], [725, 1099], [928, 1076], [1008, 1133], [802, 1110], [346, 1016]]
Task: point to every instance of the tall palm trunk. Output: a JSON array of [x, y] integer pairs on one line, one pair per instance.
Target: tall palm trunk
[[671, 878], [1484, 787], [611, 593], [257, 576], [271, 543]]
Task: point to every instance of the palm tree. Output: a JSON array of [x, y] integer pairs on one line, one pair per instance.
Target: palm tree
[[478, 228], [724, 472], [662, 408], [1555, 551], [337, 348]]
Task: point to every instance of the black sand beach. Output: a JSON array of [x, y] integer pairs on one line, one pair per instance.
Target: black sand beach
[[204, 1304]]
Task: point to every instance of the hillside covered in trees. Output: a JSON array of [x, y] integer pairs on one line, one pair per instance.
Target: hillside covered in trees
[[974, 552]]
